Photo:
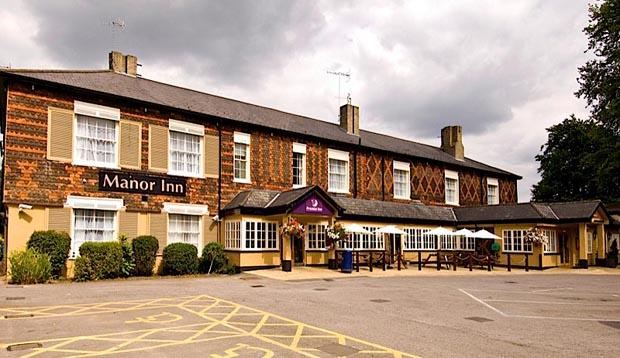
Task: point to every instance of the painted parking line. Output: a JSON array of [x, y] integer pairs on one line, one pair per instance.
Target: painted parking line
[[531, 303], [237, 328]]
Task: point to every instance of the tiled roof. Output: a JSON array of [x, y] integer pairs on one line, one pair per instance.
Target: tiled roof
[[529, 212], [391, 210], [150, 91], [353, 208]]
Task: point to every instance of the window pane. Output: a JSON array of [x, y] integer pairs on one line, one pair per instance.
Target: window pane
[[338, 175], [241, 156], [184, 229], [185, 155], [92, 226], [95, 140], [298, 169]]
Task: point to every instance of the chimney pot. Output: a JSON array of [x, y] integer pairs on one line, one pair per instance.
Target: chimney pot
[[452, 141], [127, 64], [350, 118]]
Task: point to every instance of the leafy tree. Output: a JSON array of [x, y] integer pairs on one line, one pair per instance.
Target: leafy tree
[[581, 159], [599, 78]]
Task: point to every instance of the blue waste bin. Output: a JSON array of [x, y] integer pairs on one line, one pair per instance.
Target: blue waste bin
[[347, 261]]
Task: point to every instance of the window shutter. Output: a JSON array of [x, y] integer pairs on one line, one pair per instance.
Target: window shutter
[[158, 227], [130, 144], [59, 219], [212, 156], [128, 223], [158, 148], [209, 231], [59, 134]]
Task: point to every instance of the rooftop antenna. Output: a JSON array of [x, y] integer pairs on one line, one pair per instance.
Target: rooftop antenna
[[117, 26], [340, 75]]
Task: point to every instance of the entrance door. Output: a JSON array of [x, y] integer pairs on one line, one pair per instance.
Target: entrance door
[[565, 254], [299, 251], [394, 247]]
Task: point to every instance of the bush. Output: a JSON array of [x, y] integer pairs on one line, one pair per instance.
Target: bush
[[83, 269], [55, 244], [213, 258], [129, 264], [180, 259], [144, 253], [106, 259], [30, 266]]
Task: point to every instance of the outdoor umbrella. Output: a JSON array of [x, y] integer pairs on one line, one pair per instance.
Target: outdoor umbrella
[[439, 231], [483, 234], [390, 229], [355, 229], [464, 232]]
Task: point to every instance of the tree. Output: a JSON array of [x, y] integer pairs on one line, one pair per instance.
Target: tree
[[599, 78], [581, 159]]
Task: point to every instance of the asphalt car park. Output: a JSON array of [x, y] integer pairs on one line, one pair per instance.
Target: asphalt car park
[[478, 315]]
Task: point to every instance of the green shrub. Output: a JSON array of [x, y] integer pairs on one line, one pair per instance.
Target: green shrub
[[29, 266], [180, 259], [106, 258], [55, 244], [129, 264], [83, 269], [144, 252], [213, 258]]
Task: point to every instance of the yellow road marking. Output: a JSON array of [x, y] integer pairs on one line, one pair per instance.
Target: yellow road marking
[[221, 315]]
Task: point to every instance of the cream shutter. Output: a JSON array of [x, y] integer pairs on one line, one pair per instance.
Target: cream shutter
[[158, 227], [59, 134], [130, 144], [212, 156], [158, 148], [59, 219], [209, 231], [128, 223]]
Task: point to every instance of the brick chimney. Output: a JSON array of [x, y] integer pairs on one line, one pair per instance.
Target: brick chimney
[[127, 64], [452, 141], [350, 118]]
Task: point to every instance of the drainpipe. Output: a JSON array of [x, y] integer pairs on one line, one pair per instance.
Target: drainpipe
[[359, 143], [4, 97], [218, 124]]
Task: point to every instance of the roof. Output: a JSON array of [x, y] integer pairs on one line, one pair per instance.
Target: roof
[[270, 201], [569, 211], [145, 90], [355, 208]]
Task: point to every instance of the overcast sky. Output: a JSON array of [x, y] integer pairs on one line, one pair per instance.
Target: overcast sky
[[504, 70]]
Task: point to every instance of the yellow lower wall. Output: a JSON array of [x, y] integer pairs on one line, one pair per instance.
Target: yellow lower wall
[[317, 257]]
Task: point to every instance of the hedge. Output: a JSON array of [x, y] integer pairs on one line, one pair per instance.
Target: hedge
[[214, 259], [105, 259], [180, 259], [53, 243], [144, 253], [29, 266]]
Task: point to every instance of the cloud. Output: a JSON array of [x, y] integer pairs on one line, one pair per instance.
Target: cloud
[[238, 42], [503, 70]]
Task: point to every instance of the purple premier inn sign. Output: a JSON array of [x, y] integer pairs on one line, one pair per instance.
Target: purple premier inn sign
[[313, 205]]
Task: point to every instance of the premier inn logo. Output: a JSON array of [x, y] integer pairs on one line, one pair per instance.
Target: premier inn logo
[[141, 183]]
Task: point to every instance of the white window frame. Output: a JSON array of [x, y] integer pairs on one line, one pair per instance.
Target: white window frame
[[402, 166], [188, 129], [243, 233], [321, 227], [590, 242], [333, 154], [300, 148], [492, 182], [509, 242], [232, 235], [98, 112], [245, 139], [415, 239], [551, 247], [86, 203], [200, 231], [364, 242], [451, 175], [187, 209]]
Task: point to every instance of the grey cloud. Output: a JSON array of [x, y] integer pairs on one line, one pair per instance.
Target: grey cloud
[[233, 41]]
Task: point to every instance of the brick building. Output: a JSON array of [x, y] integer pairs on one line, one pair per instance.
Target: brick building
[[104, 152]]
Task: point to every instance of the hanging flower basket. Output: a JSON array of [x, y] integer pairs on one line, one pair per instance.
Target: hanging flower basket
[[335, 234], [292, 228], [536, 237]]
